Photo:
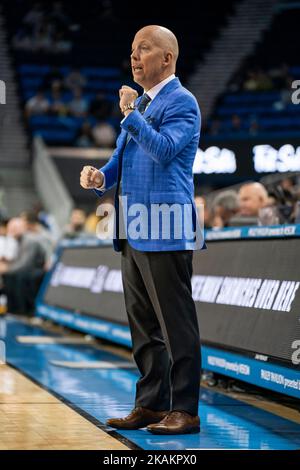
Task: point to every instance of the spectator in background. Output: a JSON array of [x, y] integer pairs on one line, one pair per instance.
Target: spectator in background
[[78, 106], [204, 214], [61, 44], [252, 197], [92, 220], [85, 137], [37, 105], [257, 80], [8, 245], [31, 24], [285, 95], [251, 82], [264, 82], [44, 32], [279, 76], [284, 199], [56, 86], [76, 226], [104, 134], [53, 76], [75, 80], [57, 105], [59, 17], [3, 227], [34, 17], [43, 39], [34, 226], [47, 220], [21, 277], [101, 221], [224, 207], [288, 184]]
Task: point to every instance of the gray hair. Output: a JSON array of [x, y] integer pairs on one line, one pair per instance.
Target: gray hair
[[227, 199]]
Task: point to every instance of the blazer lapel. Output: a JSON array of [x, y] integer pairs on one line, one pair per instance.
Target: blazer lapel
[[156, 102]]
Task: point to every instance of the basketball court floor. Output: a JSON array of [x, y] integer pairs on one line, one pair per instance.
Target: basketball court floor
[[58, 388]]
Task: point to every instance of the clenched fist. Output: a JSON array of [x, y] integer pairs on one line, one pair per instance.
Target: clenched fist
[[127, 95], [90, 177]]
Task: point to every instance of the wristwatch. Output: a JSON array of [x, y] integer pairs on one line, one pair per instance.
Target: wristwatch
[[128, 106]]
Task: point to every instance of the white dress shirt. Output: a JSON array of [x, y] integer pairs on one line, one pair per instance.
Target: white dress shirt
[[152, 93], [157, 88]]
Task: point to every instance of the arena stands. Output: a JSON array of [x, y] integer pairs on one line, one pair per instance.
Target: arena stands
[[258, 100], [63, 320], [49, 41], [69, 76]]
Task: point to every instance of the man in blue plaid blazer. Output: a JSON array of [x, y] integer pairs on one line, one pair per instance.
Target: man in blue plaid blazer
[[151, 169]]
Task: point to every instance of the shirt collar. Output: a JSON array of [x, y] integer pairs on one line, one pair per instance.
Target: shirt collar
[[157, 88]]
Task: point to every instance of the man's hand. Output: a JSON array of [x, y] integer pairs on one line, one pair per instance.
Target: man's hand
[[90, 177], [127, 95]]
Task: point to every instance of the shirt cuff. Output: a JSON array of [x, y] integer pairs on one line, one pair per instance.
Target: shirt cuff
[[102, 187]]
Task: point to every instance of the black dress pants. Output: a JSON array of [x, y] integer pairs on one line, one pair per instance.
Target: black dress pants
[[164, 328], [21, 288]]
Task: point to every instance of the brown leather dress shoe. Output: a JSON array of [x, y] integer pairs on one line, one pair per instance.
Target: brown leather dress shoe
[[138, 418], [176, 422]]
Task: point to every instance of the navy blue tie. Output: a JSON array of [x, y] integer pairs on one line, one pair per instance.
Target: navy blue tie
[[143, 103]]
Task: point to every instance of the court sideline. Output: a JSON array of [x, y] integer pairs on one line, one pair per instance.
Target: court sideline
[[57, 394]]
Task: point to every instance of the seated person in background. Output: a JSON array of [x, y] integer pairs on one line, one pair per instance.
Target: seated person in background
[[76, 226], [288, 184], [8, 245], [224, 207], [75, 80], [21, 277], [34, 17], [3, 227], [78, 106], [104, 134], [53, 76], [47, 220], [85, 138], [284, 201], [252, 197], [34, 226], [61, 44], [57, 105], [104, 215], [38, 104]]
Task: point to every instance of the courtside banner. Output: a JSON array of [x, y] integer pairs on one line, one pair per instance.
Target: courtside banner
[[246, 290]]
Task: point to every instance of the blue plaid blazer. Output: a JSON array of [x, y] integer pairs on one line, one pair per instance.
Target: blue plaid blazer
[[157, 163]]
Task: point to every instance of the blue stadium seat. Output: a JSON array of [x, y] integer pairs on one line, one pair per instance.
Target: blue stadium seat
[[56, 136], [33, 69], [101, 72], [252, 97]]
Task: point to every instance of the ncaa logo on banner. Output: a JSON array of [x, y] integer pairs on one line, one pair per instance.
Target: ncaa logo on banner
[[2, 92]]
